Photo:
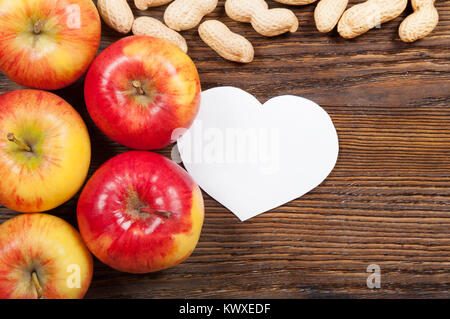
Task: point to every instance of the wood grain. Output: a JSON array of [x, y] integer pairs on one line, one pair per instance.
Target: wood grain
[[387, 201]]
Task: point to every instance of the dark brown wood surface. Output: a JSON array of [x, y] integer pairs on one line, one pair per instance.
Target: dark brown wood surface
[[387, 202]]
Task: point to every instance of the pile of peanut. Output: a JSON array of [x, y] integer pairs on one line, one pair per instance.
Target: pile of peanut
[[187, 14]]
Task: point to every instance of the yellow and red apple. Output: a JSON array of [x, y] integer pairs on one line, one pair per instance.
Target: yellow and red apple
[[140, 89], [45, 151], [42, 256], [140, 212], [47, 44]]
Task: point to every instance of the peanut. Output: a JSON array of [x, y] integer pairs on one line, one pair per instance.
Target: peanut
[[296, 2], [265, 21], [243, 10], [155, 28], [117, 14], [186, 14], [421, 23], [145, 4], [227, 44], [328, 13], [367, 15]]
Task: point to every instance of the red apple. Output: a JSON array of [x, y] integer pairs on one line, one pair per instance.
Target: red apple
[[47, 44], [45, 151], [42, 256], [140, 212], [140, 89]]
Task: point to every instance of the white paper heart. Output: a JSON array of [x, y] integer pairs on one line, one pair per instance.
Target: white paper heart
[[251, 157]]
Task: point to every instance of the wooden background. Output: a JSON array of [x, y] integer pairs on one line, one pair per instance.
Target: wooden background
[[387, 201]]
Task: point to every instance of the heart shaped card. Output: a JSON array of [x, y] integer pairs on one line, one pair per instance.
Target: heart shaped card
[[251, 157]]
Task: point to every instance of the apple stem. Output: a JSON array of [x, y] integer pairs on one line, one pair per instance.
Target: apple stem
[[37, 27], [138, 86], [37, 285], [12, 138], [159, 213]]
